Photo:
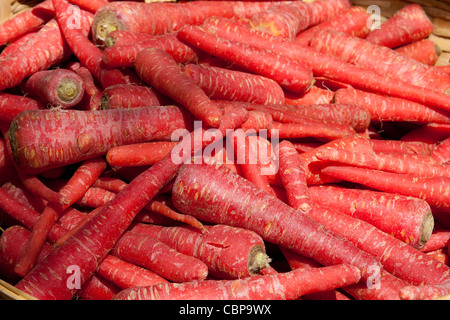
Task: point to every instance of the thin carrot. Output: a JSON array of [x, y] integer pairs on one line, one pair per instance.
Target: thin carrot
[[157, 68], [408, 24], [286, 286]]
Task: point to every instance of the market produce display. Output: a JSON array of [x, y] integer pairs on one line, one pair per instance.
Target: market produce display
[[225, 150]]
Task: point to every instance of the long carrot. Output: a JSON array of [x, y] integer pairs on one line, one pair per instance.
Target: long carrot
[[254, 209], [130, 96], [432, 190], [352, 21], [408, 24], [426, 292], [26, 21], [228, 252], [384, 108], [287, 20], [225, 84], [57, 87], [286, 286], [287, 73], [324, 65], [157, 68], [406, 218], [396, 66], [165, 17], [33, 151]]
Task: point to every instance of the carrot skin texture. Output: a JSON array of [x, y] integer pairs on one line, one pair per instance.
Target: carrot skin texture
[[401, 216], [396, 66], [424, 51], [165, 17], [288, 74], [224, 84], [327, 66], [265, 218], [26, 21], [58, 87], [42, 126], [408, 24], [284, 286], [229, 252], [130, 96], [157, 256], [390, 108], [157, 68]]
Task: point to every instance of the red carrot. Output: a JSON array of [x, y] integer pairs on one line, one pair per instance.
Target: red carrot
[[430, 133], [57, 87], [395, 66], [89, 245], [439, 239], [445, 69], [274, 220], [228, 251], [97, 288], [406, 218], [95, 197], [315, 95], [154, 255], [121, 56], [90, 5], [123, 37], [408, 24], [92, 96], [284, 286], [33, 151], [224, 84], [311, 128], [165, 17], [425, 292], [324, 65], [130, 96], [160, 70], [425, 51], [76, 187], [432, 190], [396, 146], [130, 275], [26, 21], [397, 257], [17, 43], [287, 20], [293, 176], [287, 73], [352, 21], [384, 108], [139, 154]]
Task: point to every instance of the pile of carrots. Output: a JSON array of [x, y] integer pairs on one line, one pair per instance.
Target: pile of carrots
[[223, 150]]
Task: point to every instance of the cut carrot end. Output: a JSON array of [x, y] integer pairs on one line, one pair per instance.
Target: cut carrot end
[[257, 260], [426, 229], [68, 90]]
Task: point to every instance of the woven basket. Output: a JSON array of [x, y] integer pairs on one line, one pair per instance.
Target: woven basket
[[438, 12]]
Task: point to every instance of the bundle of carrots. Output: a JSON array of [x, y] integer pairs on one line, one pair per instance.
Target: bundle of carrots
[[223, 150]]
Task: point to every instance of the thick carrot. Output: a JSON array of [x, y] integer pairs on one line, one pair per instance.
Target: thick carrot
[[26, 21], [441, 151], [97, 288], [256, 210], [396, 65], [352, 21], [445, 69], [57, 87], [287, 20], [123, 37], [165, 17], [17, 43], [76, 187], [154, 255], [224, 84], [287, 73], [396, 146], [397, 257], [87, 247], [324, 65], [430, 133], [425, 51], [130, 275], [439, 239], [315, 95], [293, 176], [121, 56], [84, 49], [130, 96], [425, 292], [139, 154], [228, 252], [311, 128], [432, 190], [408, 24], [385, 108], [86, 134], [285, 286], [406, 218]]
